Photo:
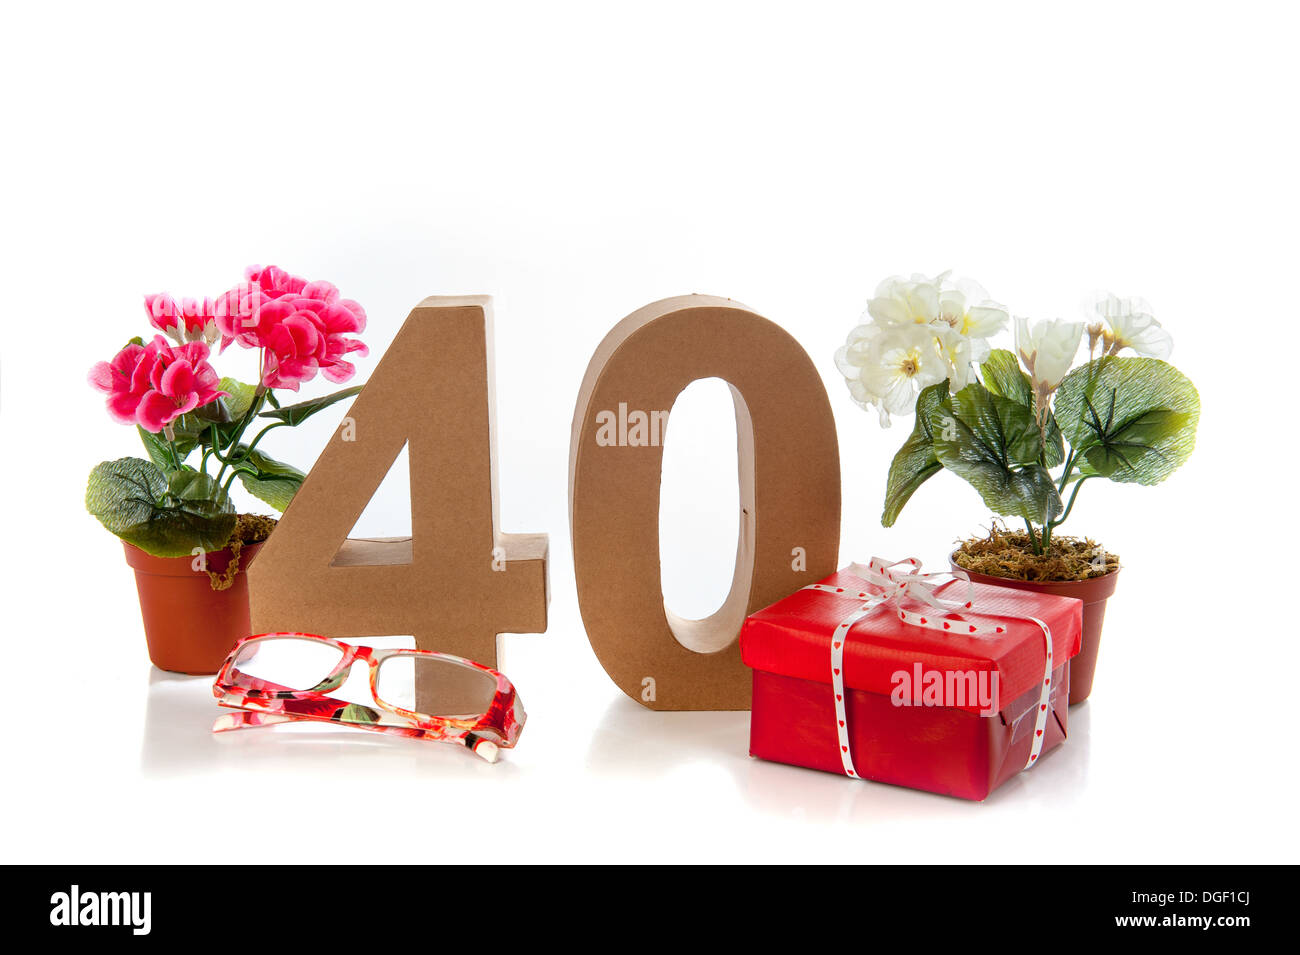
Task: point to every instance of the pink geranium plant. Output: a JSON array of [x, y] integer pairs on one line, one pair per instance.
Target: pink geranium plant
[[169, 390]]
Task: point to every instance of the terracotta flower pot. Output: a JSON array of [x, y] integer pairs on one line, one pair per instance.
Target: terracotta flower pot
[[190, 627], [1093, 592]]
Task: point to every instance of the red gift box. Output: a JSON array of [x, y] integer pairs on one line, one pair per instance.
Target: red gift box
[[927, 703]]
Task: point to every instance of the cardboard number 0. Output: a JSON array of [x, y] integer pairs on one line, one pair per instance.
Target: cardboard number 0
[[789, 493], [457, 582]]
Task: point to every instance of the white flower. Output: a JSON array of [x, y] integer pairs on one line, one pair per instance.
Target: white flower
[[886, 366], [905, 301], [1047, 350], [960, 313], [972, 319], [966, 308], [956, 350], [853, 356], [1131, 325]]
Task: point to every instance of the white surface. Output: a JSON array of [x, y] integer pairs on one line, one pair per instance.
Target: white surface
[[577, 165]]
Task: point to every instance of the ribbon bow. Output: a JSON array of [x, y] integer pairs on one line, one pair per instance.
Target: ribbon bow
[[896, 587]]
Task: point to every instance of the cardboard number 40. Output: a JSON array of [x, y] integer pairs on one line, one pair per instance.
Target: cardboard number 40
[[458, 582]]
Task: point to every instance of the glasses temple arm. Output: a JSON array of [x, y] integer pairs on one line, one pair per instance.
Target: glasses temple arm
[[480, 746]]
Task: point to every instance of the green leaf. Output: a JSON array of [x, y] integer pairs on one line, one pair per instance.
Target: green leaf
[[164, 517], [1003, 376], [296, 414], [1132, 420], [193, 486], [915, 463], [993, 443], [124, 493], [214, 412], [1007, 426], [275, 482], [156, 445], [241, 397]]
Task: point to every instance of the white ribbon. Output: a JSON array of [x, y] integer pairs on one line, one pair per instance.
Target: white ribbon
[[896, 586]]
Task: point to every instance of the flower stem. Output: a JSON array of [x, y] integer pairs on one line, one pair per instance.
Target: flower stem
[[212, 447], [249, 415], [258, 437], [1070, 506], [211, 450], [170, 434], [1033, 540], [238, 470], [1065, 474], [1042, 412]]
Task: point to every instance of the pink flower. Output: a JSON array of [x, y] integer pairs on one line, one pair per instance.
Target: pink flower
[[118, 379], [339, 319], [153, 385], [301, 326], [294, 347], [273, 281], [190, 320]]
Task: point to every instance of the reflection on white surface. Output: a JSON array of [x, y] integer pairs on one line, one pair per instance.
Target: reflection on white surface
[[634, 742], [631, 740], [179, 742], [596, 777], [629, 743]]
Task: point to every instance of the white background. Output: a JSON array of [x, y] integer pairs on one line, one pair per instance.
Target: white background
[[577, 163]]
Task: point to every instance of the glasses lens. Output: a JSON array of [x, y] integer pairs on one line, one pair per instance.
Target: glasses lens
[[294, 663], [435, 687]]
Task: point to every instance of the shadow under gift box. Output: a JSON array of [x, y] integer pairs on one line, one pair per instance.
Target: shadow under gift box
[[947, 749]]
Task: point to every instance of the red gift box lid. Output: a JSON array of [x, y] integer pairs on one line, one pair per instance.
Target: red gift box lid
[[792, 637]]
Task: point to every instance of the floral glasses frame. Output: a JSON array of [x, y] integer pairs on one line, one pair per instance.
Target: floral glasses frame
[[261, 702]]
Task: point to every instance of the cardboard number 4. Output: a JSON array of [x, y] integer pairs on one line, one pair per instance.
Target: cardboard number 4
[[789, 493], [457, 581]]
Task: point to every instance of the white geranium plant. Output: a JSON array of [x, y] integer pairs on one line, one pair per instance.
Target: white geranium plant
[[1027, 429]]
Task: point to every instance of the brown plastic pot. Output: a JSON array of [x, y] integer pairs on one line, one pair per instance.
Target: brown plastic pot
[[190, 627], [1093, 592]]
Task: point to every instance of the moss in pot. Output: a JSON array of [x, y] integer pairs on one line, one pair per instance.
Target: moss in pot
[[1026, 429]]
